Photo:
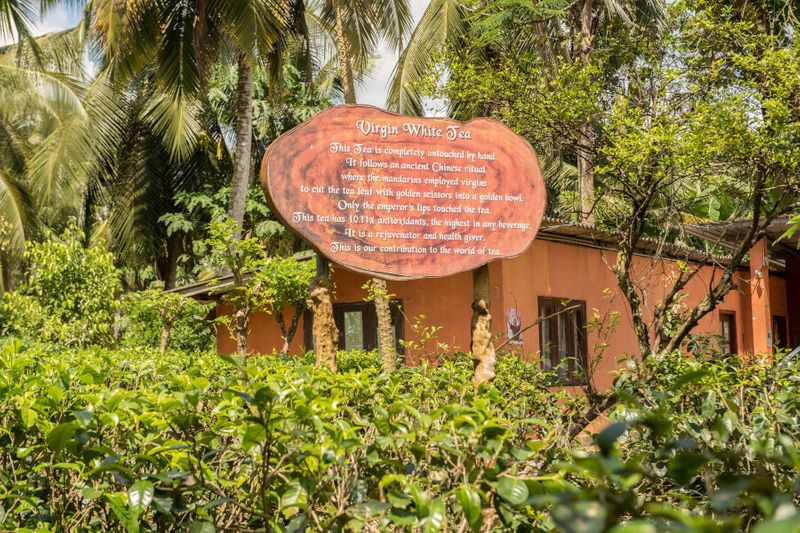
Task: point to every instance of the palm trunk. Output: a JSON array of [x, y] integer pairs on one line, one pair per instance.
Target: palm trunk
[[345, 66], [582, 46], [244, 142], [481, 346], [387, 351], [381, 297], [173, 253]]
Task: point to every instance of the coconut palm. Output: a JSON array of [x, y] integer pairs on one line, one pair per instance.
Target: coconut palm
[[45, 92], [358, 27], [180, 40]]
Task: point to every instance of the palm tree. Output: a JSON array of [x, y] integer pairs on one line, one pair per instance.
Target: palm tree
[[181, 40], [45, 92], [568, 29], [358, 28]]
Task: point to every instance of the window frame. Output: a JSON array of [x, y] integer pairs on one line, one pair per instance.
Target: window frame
[[576, 376], [369, 324]]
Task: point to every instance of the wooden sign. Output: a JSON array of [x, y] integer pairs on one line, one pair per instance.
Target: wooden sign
[[404, 197]]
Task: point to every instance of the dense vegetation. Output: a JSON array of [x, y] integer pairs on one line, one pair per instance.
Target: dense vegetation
[[94, 439], [135, 175]]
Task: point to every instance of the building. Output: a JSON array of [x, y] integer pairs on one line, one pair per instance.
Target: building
[[569, 265]]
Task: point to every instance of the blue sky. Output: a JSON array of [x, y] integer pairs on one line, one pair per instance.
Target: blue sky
[[372, 92]]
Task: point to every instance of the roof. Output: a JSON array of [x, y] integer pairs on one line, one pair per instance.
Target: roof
[[213, 287], [727, 234], [558, 230], [551, 229]]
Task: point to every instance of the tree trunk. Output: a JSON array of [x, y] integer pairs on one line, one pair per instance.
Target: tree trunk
[[242, 325], [586, 172], [345, 64], [324, 330], [165, 337], [582, 47], [481, 346], [288, 335], [244, 142], [173, 253], [381, 296]]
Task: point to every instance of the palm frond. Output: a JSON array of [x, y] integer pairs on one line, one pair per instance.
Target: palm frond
[[442, 24]]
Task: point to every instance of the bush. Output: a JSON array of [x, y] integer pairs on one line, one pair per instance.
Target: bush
[[69, 294], [127, 439], [153, 318]]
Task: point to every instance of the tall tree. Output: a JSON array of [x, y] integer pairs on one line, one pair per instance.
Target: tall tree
[[359, 26], [181, 40], [469, 31]]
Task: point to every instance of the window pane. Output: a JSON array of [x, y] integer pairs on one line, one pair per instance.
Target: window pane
[[563, 349], [353, 330], [547, 352]]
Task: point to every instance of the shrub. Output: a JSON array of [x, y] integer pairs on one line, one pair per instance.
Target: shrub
[[156, 319], [127, 439], [69, 294]]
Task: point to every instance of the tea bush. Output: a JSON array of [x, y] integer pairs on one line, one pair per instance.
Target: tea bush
[[95, 439], [150, 316]]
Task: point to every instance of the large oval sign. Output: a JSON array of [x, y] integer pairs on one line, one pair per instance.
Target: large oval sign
[[404, 197]]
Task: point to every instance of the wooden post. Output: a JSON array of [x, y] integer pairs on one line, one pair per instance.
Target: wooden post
[[481, 346], [324, 330], [759, 298]]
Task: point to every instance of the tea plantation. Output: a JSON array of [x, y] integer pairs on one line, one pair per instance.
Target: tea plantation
[[129, 440]]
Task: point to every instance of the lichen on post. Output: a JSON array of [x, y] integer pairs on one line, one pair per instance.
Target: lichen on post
[[481, 345]]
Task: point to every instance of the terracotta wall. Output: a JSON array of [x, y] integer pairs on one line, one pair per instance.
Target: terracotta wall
[[584, 273], [546, 269]]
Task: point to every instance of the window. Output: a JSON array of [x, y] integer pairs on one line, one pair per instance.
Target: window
[[779, 332], [357, 323], [727, 332], [563, 339]]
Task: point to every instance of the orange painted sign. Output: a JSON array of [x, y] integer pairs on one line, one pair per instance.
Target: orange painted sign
[[405, 197]]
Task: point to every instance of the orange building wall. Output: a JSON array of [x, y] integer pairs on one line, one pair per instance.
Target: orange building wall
[[546, 269]]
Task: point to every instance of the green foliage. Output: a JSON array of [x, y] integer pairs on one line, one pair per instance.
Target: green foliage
[[146, 314], [284, 281], [128, 439], [69, 295]]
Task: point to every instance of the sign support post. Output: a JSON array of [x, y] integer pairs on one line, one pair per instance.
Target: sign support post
[[481, 345], [325, 333]]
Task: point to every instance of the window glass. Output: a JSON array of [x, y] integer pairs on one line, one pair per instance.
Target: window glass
[[727, 323], [353, 330]]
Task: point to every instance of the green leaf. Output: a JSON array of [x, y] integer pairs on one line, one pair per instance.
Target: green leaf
[[199, 526], [370, 508], [685, 466], [512, 489], [293, 499], [90, 493], [609, 436], [436, 516], [634, 526], [60, 435], [580, 517], [127, 516], [790, 524], [140, 495], [470, 502], [29, 417]]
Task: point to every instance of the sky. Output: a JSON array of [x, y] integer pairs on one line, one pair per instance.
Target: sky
[[373, 91]]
